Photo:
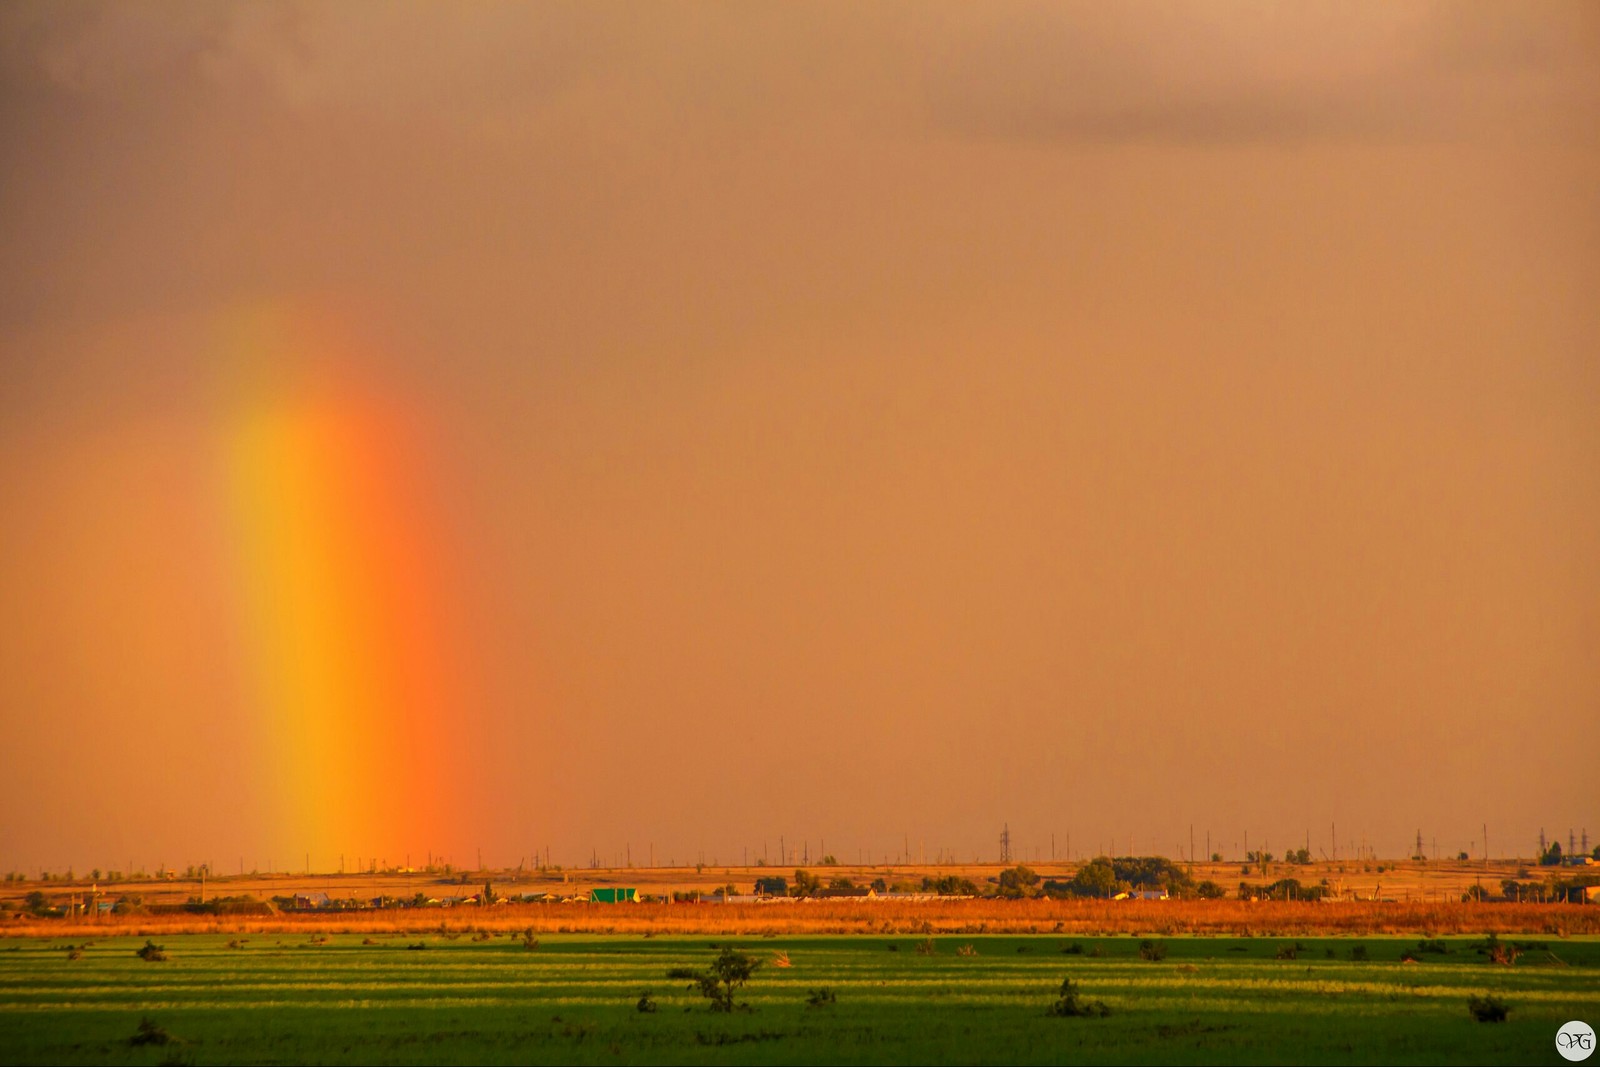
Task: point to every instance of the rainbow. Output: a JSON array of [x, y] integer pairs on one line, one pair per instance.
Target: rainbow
[[350, 649]]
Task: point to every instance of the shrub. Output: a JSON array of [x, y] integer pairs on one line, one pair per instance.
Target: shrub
[[821, 998], [1069, 1006], [151, 952], [149, 1034], [927, 947], [1498, 951], [1358, 953], [1488, 1009], [647, 1003], [1154, 951]]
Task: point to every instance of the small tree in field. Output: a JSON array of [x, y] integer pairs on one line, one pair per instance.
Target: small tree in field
[[717, 983]]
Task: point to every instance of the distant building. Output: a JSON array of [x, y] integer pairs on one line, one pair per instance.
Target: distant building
[[1143, 894], [614, 895]]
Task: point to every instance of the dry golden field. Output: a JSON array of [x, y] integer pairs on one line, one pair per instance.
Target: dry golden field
[[1063, 917]]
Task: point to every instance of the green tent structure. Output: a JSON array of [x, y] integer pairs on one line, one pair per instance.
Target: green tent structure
[[614, 895]]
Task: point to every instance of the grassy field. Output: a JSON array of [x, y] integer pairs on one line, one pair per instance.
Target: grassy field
[[484, 998]]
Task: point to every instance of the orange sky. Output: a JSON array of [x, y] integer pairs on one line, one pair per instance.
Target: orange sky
[[836, 422]]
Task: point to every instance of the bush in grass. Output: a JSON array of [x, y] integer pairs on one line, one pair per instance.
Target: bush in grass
[[1500, 953], [1154, 951], [1488, 1009], [151, 952], [1358, 953], [150, 1034], [722, 979], [647, 1003], [821, 998], [1070, 1005]]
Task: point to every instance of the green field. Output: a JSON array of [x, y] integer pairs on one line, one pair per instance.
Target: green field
[[283, 999]]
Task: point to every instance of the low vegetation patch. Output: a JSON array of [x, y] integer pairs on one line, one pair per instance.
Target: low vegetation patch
[[1488, 1009], [1071, 1005], [149, 1033]]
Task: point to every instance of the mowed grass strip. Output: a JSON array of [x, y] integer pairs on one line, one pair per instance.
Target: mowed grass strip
[[280, 999]]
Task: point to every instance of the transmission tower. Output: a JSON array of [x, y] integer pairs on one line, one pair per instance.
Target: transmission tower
[[1005, 844]]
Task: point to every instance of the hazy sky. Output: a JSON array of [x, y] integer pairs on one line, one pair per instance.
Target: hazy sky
[[700, 424]]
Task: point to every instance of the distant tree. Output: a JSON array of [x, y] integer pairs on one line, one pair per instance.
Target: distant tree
[[806, 883], [829, 861], [1018, 882], [1552, 855], [1209, 890], [1462, 856], [1097, 878], [489, 895], [772, 886], [841, 883], [949, 885], [1216, 857]]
